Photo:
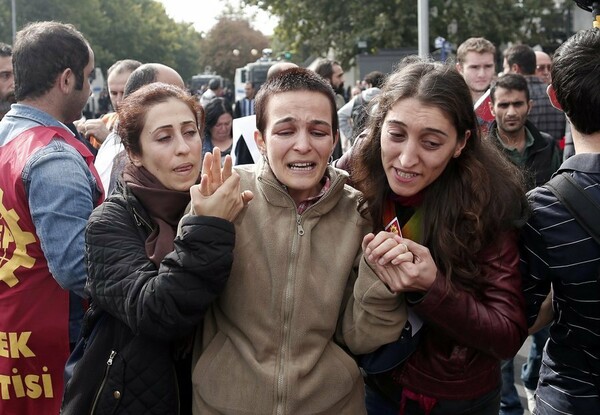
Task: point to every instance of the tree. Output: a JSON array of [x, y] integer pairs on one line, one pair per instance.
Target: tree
[[231, 44], [313, 27], [136, 29]]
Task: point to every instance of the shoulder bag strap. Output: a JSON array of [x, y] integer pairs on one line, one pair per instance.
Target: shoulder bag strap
[[584, 209]]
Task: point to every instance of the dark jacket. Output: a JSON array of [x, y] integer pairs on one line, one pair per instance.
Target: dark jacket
[[466, 335], [151, 313], [543, 157]]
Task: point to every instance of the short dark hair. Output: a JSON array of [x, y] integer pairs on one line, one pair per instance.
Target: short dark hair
[[214, 84], [133, 110], [576, 79], [5, 49], [375, 79], [522, 55], [293, 79], [124, 65], [42, 51], [512, 82], [324, 68], [214, 109], [145, 74]]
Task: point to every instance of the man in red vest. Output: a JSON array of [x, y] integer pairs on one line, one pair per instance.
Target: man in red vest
[[48, 188]]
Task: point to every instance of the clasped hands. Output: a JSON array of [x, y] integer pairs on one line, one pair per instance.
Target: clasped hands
[[401, 264], [218, 193]]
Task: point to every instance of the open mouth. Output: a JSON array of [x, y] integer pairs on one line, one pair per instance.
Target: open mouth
[[405, 175], [302, 166]]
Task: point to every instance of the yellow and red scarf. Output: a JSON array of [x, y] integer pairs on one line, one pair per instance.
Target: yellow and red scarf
[[405, 220]]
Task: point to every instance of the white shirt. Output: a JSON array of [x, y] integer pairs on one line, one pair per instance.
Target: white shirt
[[106, 156]]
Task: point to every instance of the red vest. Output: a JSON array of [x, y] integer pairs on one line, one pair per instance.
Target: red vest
[[34, 309]]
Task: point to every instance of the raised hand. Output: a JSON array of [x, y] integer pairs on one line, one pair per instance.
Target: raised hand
[[214, 173], [218, 193]]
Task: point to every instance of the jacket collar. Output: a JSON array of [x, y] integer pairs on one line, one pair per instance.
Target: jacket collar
[[277, 195], [539, 143]]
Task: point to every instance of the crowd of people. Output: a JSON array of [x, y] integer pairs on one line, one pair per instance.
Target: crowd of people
[[385, 255]]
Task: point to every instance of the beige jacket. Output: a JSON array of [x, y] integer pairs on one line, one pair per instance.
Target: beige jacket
[[268, 342]]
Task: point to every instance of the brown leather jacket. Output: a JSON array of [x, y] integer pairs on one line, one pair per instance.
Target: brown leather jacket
[[467, 335]]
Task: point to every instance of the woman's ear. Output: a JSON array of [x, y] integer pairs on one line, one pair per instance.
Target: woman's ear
[[336, 138], [260, 142], [461, 144], [135, 159]]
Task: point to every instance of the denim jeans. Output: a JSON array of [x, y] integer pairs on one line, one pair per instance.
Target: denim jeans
[[510, 403], [530, 372]]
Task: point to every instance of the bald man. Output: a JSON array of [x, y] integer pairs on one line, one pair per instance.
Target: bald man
[[149, 73], [279, 67]]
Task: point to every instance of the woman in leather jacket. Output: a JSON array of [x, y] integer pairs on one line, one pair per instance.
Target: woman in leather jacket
[[454, 202], [148, 288]]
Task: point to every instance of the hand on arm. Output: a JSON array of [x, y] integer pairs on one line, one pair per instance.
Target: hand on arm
[[97, 128], [218, 193], [401, 264]]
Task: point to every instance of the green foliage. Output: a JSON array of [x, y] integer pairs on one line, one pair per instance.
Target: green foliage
[[313, 27], [140, 29], [135, 29], [229, 34]]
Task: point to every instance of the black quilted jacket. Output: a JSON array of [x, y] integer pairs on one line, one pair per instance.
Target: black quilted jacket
[[150, 313]]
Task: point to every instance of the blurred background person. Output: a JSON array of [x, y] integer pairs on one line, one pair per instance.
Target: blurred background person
[[97, 130], [475, 60], [7, 79], [353, 115], [215, 90], [217, 130], [543, 64], [333, 73], [521, 59], [245, 106]]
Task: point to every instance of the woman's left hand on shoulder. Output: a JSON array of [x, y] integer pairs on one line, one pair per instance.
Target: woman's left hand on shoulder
[[401, 264]]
